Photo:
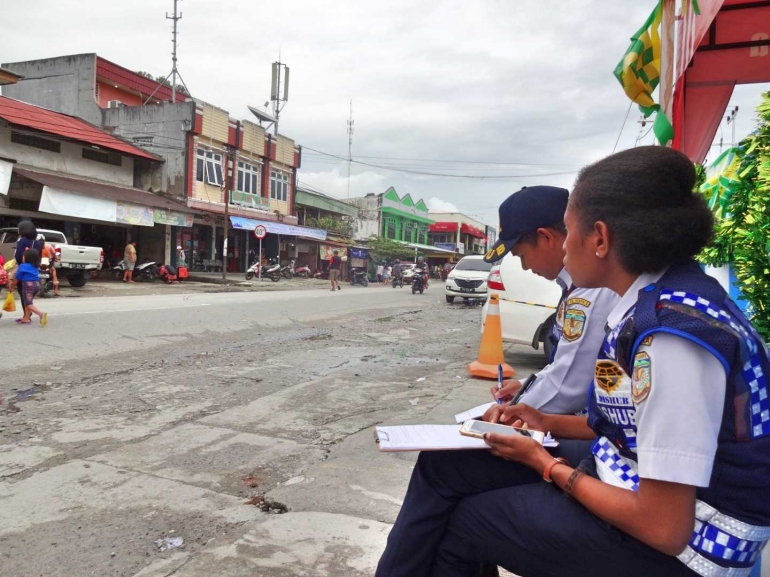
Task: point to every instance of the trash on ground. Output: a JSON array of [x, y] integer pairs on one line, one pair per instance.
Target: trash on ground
[[25, 394], [169, 543], [252, 481], [414, 401], [420, 379]]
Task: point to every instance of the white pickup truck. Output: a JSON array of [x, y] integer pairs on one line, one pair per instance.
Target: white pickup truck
[[72, 262]]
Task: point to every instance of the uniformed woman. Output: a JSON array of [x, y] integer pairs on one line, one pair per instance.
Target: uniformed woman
[[676, 476]]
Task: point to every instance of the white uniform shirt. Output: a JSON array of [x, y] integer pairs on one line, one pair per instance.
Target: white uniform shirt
[[677, 389], [562, 386]]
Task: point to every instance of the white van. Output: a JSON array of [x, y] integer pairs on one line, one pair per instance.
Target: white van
[[527, 303]]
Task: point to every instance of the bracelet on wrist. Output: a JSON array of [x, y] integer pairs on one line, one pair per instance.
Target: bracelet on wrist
[[549, 467], [568, 487]]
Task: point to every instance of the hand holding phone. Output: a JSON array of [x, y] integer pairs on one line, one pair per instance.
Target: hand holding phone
[[477, 429]]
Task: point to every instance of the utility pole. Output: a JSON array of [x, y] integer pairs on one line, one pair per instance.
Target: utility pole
[[350, 144], [227, 186], [731, 120], [668, 22], [277, 95], [175, 18]]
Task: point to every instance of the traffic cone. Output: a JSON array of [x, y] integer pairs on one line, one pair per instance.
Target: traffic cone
[[491, 349]]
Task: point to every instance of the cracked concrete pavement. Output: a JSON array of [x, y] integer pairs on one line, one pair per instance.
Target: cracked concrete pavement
[[239, 422]]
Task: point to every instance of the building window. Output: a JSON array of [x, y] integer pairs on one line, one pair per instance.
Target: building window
[[391, 230], [248, 178], [410, 232], [279, 185], [35, 141], [112, 158], [208, 167]]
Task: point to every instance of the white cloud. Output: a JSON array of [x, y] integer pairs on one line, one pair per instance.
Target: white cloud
[[439, 205], [335, 182]]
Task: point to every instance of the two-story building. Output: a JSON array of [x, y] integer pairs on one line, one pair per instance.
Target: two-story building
[[68, 175], [196, 140], [390, 216], [458, 233], [337, 218]]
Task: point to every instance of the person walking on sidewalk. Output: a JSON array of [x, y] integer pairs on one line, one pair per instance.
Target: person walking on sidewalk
[[334, 270], [129, 261]]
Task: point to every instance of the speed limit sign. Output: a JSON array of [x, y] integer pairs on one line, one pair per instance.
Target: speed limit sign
[[260, 232]]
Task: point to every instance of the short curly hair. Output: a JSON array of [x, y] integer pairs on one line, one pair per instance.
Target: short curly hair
[[27, 230], [645, 197]]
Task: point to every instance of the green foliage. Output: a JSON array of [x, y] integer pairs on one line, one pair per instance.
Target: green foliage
[[331, 224], [163, 80], [742, 235], [381, 248]]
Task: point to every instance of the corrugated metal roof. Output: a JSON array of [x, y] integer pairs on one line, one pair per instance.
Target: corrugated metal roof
[[101, 190], [37, 118]]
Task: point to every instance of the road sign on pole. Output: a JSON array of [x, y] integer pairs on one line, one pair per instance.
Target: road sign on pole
[[260, 232]]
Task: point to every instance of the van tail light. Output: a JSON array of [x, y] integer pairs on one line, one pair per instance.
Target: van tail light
[[101, 257], [57, 250], [494, 280]]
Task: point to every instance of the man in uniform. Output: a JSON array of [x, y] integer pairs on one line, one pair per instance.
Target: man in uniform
[[532, 228]]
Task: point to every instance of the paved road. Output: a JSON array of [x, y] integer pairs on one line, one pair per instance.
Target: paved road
[[129, 420], [82, 328]]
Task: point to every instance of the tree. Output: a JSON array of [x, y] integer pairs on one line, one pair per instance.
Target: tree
[[381, 248], [164, 81], [742, 237]]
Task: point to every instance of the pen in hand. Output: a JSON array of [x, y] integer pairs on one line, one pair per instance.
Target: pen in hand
[[499, 382]]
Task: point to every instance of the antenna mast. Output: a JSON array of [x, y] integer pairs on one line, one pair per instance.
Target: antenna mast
[[174, 71], [350, 144], [279, 97]]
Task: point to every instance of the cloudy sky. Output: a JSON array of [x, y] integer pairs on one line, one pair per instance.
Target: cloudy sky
[[505, 92]]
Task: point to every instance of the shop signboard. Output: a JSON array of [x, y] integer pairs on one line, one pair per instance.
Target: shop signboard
[[326, 252], [172, 217], [136, 214], [361, 253], [446, 246]]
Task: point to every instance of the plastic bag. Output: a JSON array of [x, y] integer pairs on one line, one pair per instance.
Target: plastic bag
[[10, 264], [9, 305]]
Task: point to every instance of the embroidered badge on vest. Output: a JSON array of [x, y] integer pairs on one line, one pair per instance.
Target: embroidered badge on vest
[[647, 341], [608, 375], [574, 323], [641, 381], [579, 301]]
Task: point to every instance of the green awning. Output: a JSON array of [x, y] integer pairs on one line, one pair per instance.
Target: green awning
[[308, 198]]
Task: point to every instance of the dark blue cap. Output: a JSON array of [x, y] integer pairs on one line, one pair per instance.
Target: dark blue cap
[[525, 211]]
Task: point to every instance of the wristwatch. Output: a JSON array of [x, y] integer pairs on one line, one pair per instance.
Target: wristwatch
[[550, 466]]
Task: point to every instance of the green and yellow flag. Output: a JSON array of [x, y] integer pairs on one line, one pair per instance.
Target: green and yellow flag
[[639, 73]]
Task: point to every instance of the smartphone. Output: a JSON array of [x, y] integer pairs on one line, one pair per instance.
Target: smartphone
[[478, 428]]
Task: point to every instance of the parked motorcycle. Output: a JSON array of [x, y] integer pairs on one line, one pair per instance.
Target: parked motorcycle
[[147, 271], [287, 271], [358, 276], [417, 281], [253, 271], [302, 271], [321, 274], [273, 270]]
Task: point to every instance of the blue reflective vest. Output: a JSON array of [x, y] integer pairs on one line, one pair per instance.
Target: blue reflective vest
[[733, 512]]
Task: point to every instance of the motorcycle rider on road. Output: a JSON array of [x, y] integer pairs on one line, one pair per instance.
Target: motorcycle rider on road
[[424, 268], [398, 272]]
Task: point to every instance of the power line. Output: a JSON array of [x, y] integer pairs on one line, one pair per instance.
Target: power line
[[622, 126], [423, 173], [438, 160]]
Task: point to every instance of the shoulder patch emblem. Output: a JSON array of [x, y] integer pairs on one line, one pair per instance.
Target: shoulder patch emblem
[[574, 323], [641, 380], [608, 375], [578, 301], [647, 341]]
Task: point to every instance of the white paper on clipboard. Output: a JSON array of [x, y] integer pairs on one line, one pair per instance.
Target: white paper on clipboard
[[431, 438]]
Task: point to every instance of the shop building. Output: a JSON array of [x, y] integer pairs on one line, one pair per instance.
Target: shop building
[[337, 218], [194, 138], [390, 216], [68, 175], [457, 233]]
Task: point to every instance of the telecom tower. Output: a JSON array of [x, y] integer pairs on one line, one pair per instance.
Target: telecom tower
[[350, 143], [279, 94], [174, 70]]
